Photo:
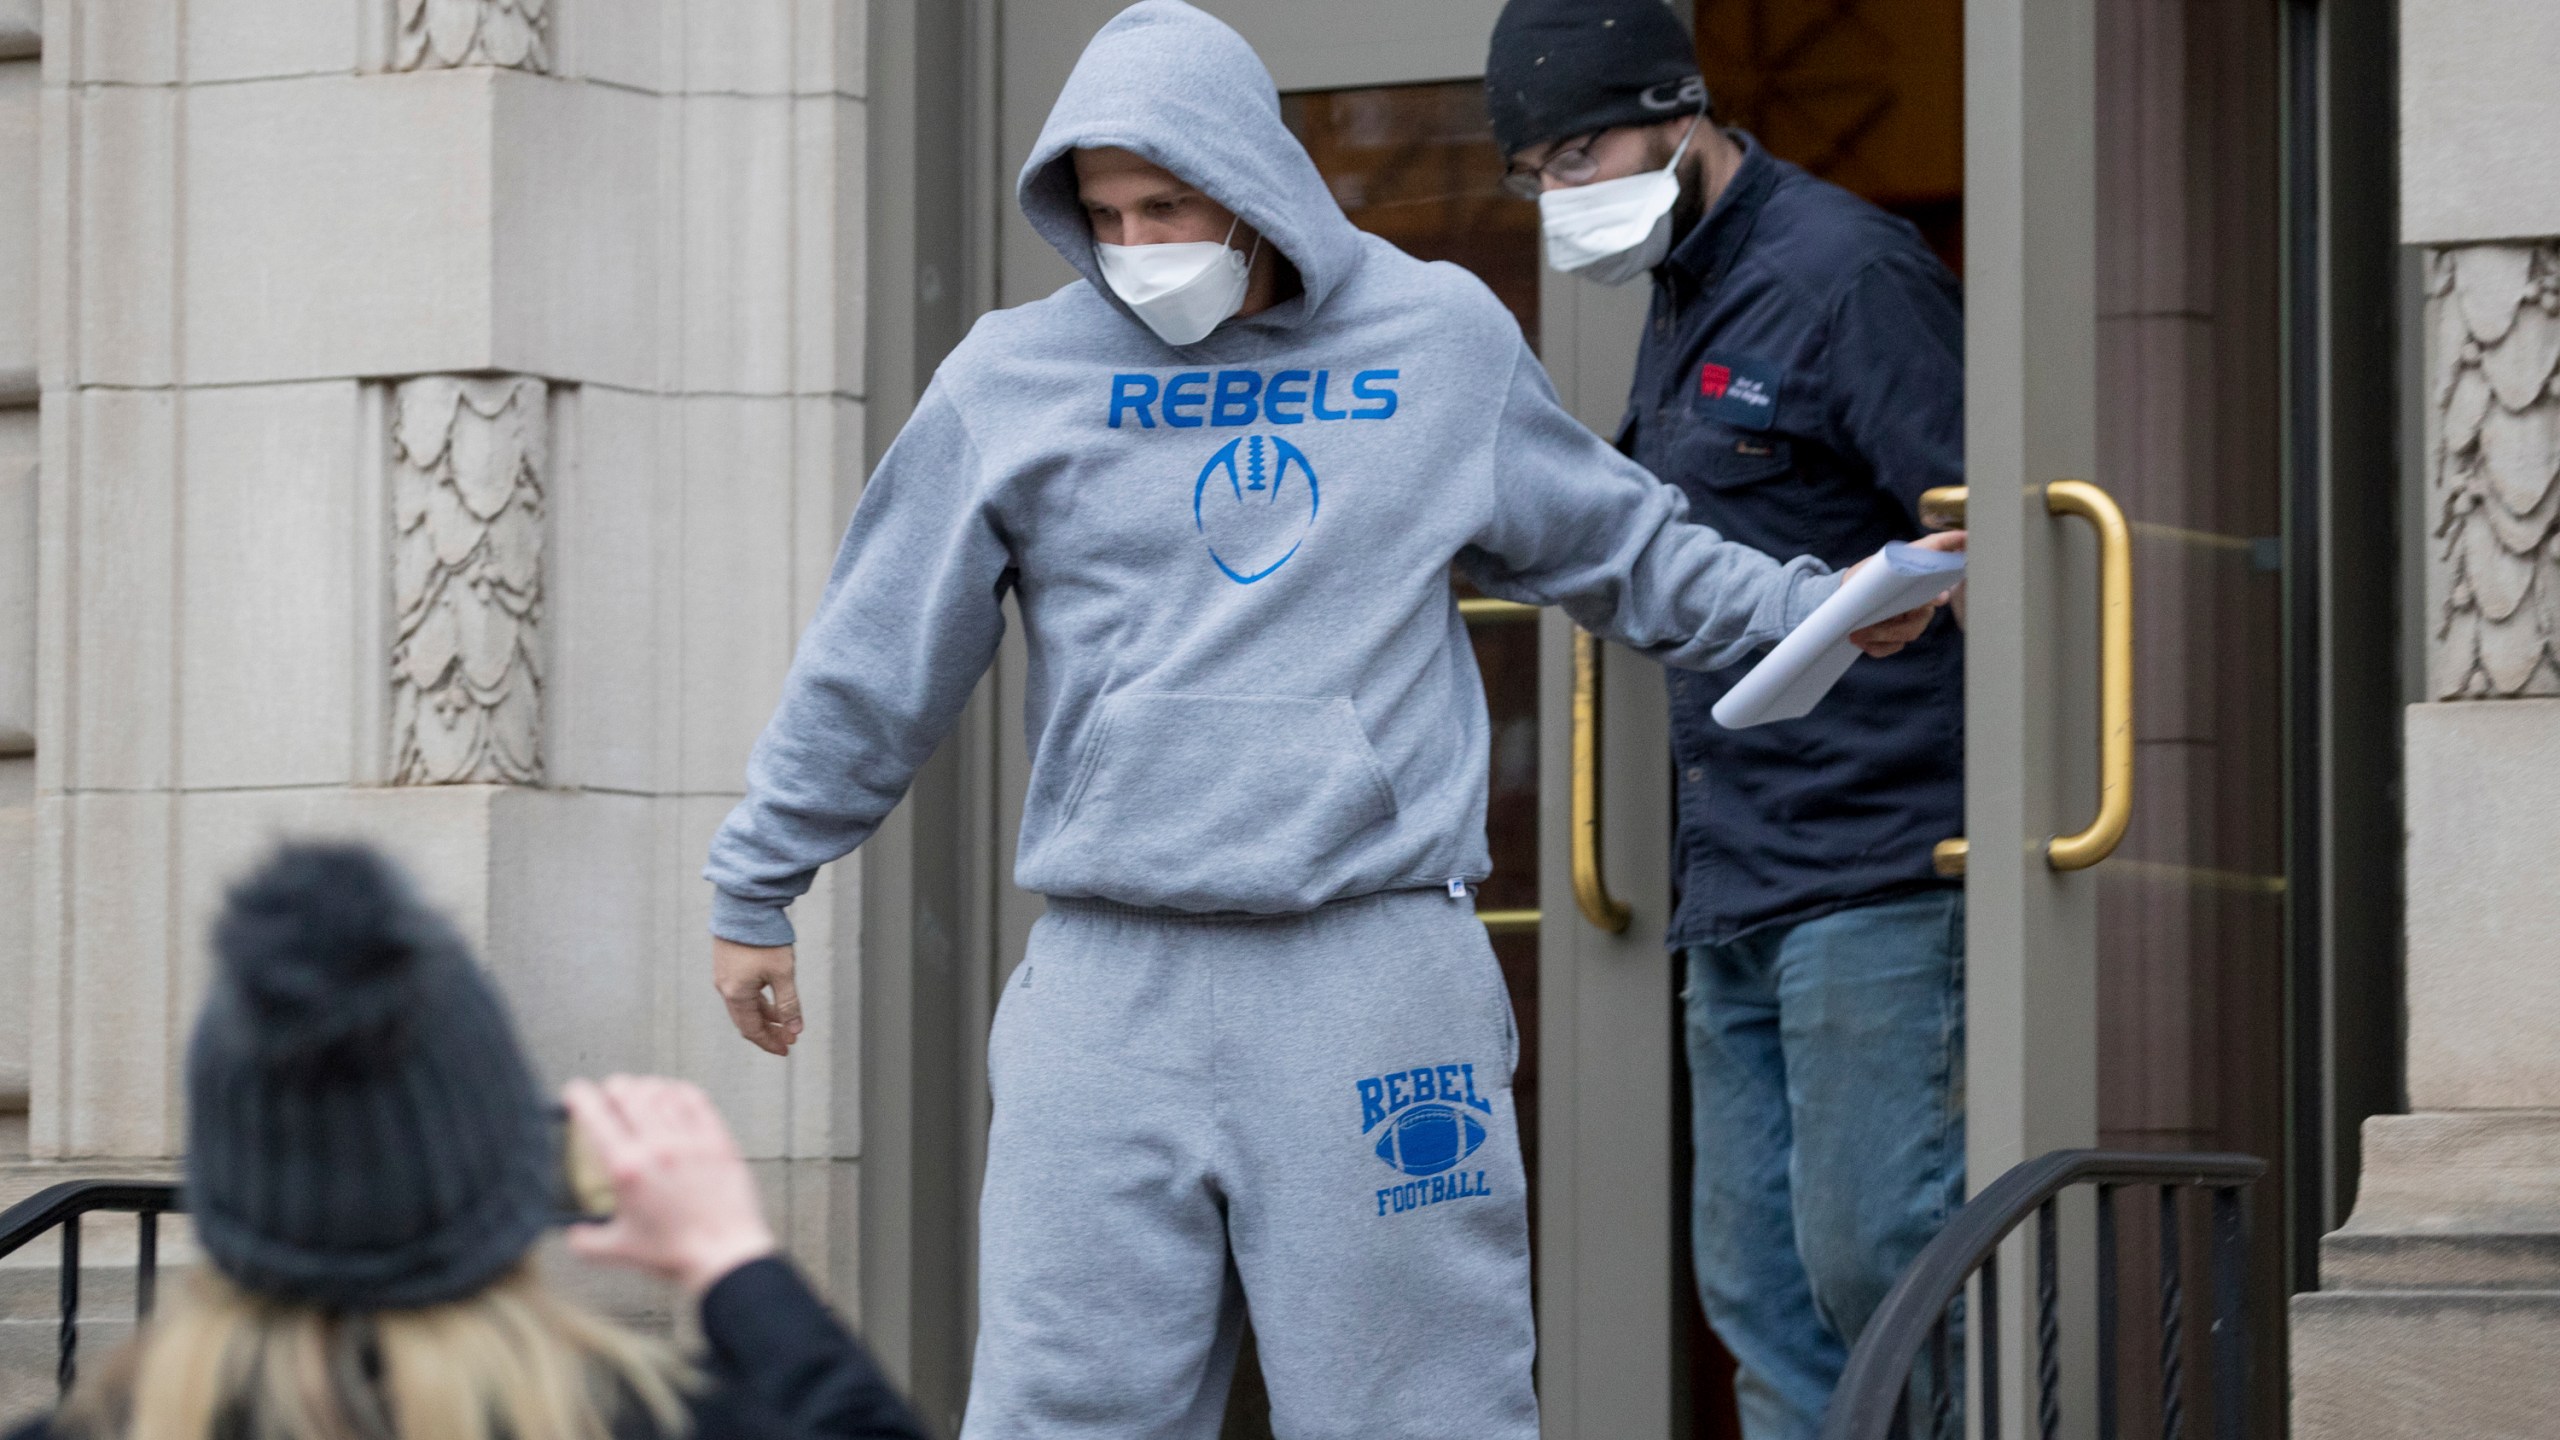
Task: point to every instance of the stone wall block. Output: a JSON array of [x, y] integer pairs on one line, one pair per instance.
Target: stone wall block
[[2425, 1365], [739, 310], [575, 259], [126, 42], [601, 718], [338, 226], [631, 47], [268, 651], [576, 930], [468, 460], [741, 617], [447, 34], [2483, 803], [833, 48], [127, 233], [18, 164], [17, 582], [2493, 362], [264, 39], [829, 249], [17, 926], [115, 1092], [124, 500], [2479, 154], [739, 47]]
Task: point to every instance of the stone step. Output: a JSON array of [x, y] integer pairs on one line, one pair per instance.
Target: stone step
[[27, 1355]]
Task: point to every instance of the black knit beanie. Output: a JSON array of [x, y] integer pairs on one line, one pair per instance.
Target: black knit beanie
[[1562, 68], [362, 1132]]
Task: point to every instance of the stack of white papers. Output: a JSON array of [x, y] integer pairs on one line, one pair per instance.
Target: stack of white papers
[[1800, 669]]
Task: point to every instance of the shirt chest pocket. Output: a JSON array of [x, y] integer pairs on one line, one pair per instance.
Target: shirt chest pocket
[[1766, 488], [1724, 458]]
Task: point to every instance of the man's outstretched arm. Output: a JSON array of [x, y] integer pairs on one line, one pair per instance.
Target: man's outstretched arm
[[910, 620], [1579, 525]]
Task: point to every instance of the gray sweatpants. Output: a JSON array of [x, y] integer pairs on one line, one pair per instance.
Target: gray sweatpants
[[1307, 1117]]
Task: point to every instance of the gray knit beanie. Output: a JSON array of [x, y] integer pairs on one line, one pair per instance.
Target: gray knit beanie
[[362, 1132]]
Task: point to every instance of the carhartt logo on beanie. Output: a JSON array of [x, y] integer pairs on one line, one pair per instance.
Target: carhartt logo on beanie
[[362, 1130], [1558, 69]]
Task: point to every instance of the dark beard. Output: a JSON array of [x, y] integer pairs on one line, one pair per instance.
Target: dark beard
[[1691, 207]]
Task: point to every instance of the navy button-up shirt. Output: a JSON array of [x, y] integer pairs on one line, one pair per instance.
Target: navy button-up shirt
[[1802, 380]]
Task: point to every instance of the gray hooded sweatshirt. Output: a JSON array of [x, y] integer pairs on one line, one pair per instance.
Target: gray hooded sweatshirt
[[1250, 689]]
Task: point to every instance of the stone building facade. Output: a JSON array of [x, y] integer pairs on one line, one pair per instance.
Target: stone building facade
[[2440, 1301], [427, 420]]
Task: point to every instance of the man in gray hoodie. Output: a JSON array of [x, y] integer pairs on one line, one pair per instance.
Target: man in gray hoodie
[[1258, 1054]]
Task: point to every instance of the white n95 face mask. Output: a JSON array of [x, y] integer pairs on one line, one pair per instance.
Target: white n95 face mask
[[1183, 289], [1613, 230]]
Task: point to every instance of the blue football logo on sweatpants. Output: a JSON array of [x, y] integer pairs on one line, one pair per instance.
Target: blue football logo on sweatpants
[[1425, 1112], [1254, 503], [1428, 1139]]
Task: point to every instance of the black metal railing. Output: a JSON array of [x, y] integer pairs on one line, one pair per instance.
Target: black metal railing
[[1875, 1397], [62, 1205]]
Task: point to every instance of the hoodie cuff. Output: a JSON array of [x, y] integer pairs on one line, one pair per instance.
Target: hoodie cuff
[[750, 922], [1814, 583]]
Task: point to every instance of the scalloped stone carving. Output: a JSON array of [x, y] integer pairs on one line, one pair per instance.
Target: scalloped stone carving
[[2493, 362], [447, 34], [467, 460]]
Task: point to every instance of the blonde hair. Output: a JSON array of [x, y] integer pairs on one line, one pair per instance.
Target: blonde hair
[[513, 1362]]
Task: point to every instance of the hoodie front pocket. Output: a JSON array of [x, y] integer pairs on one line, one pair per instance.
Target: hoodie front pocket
[[1221, 802]]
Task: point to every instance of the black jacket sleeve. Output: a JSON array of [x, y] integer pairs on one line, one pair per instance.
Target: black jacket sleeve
[[781, 1364]]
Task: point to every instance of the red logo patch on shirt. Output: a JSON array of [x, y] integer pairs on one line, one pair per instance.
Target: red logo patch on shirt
[[1714, 380]]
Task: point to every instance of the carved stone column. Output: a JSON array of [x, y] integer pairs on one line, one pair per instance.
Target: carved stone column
[[2493, 316], [2440, 1297], [468, 457], [447, 34]]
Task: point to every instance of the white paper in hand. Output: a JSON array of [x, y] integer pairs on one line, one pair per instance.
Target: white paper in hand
[[1800, 669]]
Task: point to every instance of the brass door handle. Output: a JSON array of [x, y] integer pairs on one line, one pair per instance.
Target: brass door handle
[[2078, 851], [1590, 892], [2087, 847]]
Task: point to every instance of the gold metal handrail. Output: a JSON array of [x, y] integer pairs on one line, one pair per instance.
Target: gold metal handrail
[[1944, 507], [1590, 891]]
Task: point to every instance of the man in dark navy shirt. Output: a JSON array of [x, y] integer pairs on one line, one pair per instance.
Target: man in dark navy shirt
[[1801, 378]]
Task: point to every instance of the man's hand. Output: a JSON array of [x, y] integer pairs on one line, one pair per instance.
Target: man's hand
[[684, 1203], [744, 974], [1887, 636]]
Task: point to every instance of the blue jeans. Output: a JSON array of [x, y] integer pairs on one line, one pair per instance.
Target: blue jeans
[[1826, 1064]]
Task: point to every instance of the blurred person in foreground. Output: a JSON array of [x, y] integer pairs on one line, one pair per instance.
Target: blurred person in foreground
[[368, 1168]]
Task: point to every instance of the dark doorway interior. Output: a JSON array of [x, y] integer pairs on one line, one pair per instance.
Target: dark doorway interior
[[1869, 95]]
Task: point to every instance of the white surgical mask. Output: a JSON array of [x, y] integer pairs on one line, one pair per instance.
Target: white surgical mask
[[1182, 290], [1613, 230]]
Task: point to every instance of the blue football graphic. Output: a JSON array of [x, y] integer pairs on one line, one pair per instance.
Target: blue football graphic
[[1430, 1138], [1253, 504]]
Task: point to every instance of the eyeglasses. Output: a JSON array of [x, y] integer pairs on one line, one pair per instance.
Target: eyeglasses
[[1571, 165]]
